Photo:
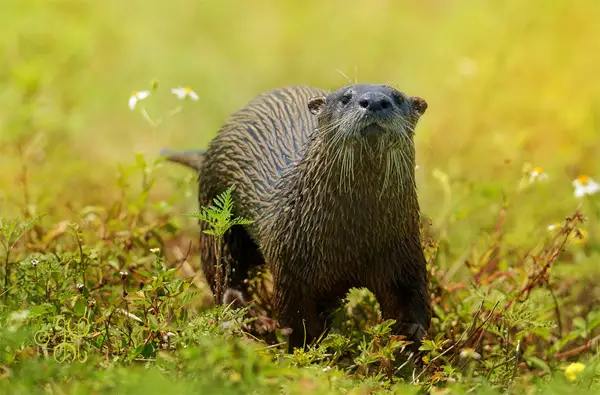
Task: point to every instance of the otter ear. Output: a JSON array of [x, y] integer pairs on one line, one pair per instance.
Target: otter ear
[[315, 105], [419, 105]]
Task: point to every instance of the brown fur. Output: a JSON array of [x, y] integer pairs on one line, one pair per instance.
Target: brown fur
[[334, 202]]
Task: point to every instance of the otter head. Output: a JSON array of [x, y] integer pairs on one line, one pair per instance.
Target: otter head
[[369, 128], [368, 112]]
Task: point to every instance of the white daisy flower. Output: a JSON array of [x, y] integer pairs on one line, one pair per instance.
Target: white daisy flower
[[155, 250], [537, 174], [584, 185], [167, 335], [182, 93], [18, 316], [469, 353], [137, 96]]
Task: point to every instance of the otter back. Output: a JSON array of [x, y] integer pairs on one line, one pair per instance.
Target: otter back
[[255, 145]]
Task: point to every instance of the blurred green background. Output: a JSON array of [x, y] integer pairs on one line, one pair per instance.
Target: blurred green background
[[507, 83]]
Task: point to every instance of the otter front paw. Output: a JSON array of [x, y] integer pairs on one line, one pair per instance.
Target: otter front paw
[[413, 331]]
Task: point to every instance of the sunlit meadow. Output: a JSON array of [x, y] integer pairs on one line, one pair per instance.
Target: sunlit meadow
[[100, 287]]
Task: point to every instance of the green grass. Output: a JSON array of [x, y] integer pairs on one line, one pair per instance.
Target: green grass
[[510, 85]]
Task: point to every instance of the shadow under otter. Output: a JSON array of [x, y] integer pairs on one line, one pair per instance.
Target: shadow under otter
[[328, 179]]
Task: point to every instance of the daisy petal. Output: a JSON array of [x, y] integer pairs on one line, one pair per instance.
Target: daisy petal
[[132, 102], [193, 95], [593, 188], [143, 94], [179, 92]]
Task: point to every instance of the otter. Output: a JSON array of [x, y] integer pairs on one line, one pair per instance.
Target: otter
[[328, 179]]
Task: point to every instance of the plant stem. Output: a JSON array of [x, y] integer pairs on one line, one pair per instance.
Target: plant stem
[[6, 273], [218, 274]]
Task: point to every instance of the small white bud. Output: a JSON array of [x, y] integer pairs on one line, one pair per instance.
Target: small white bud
[[469, 353]]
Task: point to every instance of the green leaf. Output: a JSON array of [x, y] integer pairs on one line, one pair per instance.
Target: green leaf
[[80, 306], [218, 216], [43, 309], [539, 363], [152, 321], [580, 324]]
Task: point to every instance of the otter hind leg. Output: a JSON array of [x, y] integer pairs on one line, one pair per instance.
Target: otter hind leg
[[239, 254], [243, 255]]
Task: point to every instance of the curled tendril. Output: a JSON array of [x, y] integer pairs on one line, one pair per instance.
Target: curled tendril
[[62, 352], [41, 337], [57, 322], [82, 323], [82, 355], [69, 332]]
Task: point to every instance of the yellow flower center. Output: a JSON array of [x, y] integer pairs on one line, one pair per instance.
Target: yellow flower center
[[583, 180], [134, 93], [187, 90], [538, 170]]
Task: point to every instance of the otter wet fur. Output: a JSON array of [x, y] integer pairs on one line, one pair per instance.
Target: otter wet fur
[[328, 179]]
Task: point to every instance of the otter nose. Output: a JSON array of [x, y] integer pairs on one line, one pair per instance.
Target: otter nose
[[375, 102]]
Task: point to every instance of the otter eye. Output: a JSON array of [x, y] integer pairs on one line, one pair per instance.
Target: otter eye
[[346, 98]]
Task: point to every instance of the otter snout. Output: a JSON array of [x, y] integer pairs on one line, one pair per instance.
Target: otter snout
[[375, 103]]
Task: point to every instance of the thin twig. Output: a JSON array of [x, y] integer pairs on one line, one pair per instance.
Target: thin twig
[[517, 357], [485, 321], [569, 226], [591, 343], [556, 309], [148, 118], [451, 347]]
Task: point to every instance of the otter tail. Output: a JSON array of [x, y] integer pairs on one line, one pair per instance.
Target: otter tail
[[192, 158]]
